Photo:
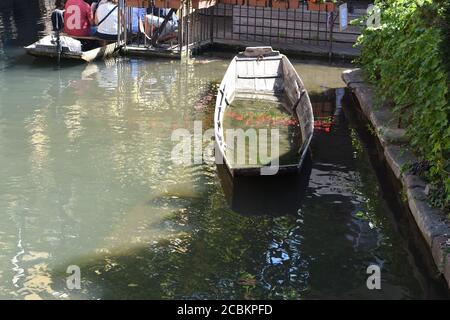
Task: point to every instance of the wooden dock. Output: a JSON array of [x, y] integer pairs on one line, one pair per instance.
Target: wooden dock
[[339, 51], [293, 31], [134, 50]]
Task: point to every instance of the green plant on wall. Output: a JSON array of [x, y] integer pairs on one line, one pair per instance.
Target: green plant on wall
[[406, 58]]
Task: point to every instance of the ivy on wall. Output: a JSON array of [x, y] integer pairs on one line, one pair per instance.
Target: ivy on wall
[[407, 57]]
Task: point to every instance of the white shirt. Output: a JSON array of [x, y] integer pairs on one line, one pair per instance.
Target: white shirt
[[109, 26]]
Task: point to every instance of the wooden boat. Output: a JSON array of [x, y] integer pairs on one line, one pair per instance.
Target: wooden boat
[[261, 73], [47, 47]]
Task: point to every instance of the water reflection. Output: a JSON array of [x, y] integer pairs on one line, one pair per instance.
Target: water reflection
[[273, 195], [22, 21], [209, 251], [87, 180]]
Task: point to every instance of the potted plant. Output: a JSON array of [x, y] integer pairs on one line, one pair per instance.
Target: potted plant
[[257, 3], [173, 4], [285, 4], [233, 2], [137, 3], [321, 5]]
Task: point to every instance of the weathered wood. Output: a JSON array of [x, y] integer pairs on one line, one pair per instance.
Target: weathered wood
[[170, 53], [259, 51], [87, 56]]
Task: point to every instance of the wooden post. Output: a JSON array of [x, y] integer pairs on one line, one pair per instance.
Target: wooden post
[[332, 20], [119, 21], [188, 26], [181, 30], [211, 26], [125, 23]]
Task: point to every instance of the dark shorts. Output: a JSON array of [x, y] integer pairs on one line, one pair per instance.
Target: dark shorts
[[109, 37]]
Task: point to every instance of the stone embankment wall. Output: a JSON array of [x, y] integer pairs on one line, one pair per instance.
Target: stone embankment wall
[[433, 223]]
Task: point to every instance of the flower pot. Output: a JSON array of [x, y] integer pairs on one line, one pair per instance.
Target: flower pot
[[137, 3], [314, 5], [233, 2], [285, 4], [173, 4], [202, 4], [257, 3]]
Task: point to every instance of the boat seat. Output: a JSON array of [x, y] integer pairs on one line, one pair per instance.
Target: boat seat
[[88, 38]]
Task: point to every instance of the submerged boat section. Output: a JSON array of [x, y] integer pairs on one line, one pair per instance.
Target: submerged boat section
[[261, 74]]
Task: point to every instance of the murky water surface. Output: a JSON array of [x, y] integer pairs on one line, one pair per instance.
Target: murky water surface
[[86, 179]]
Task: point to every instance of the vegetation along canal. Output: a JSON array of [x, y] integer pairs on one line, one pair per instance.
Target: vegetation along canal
[[86, 179]]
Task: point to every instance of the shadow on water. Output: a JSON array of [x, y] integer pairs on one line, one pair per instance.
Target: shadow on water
[[401, 217], [21, 21], [283, 194], [269, 195], [43, 63]]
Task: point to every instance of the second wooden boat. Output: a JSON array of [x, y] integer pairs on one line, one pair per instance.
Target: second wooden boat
[[71, 48], [261, 74]]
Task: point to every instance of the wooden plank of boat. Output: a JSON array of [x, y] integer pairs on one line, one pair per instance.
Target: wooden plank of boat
[[87, 56], [261, 73], [101, 52]]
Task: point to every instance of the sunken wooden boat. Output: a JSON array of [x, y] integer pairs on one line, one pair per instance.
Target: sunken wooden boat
[[259, 73], [70, 48]]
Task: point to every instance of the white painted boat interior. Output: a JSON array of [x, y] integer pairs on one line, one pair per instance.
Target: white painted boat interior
[[261, 73]]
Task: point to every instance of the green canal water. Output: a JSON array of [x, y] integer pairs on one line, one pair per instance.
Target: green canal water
[[86, 179]]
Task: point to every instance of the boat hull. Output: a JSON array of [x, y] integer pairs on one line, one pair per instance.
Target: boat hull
[[263, 74], [247, 194], [86, 56]]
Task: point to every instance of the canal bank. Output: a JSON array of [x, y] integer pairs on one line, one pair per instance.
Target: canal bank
[[432, 223]]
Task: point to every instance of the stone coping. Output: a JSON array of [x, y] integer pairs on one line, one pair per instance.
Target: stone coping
[[432, 222]]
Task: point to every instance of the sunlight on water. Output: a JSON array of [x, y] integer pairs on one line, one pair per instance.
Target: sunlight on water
[[87, 180]]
